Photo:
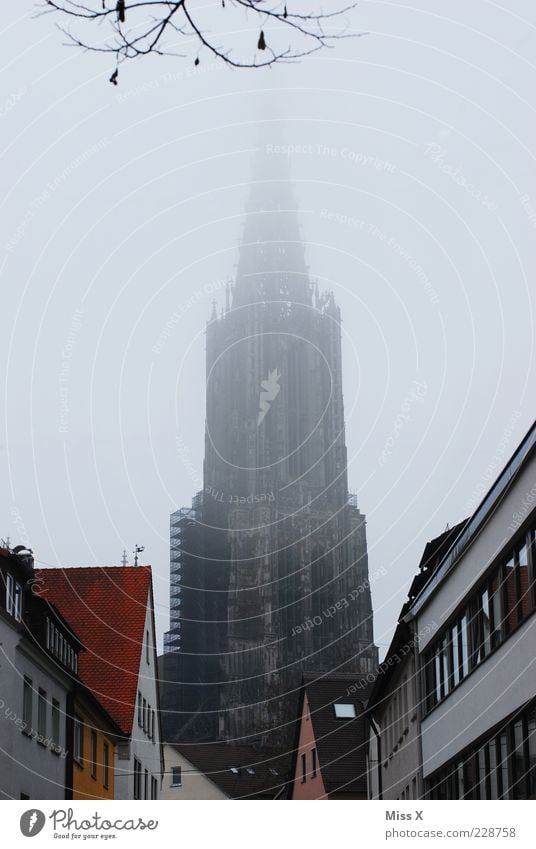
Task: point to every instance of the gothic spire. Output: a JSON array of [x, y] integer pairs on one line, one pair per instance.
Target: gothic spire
[[271, 264]]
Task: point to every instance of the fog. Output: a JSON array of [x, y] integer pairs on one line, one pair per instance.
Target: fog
[[411, 153]]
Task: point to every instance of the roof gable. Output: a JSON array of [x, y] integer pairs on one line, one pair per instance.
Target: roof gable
[[106, 606], [240, 771], [341, 743]]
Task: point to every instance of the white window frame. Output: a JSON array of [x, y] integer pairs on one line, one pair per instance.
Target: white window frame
[[18, 602], [10, 593], [55, 723], [27, 704], [78, 740], [42, 713]]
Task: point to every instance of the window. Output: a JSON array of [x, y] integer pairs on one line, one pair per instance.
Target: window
[[445, 665], [303, 769], [504, 782], [313, 762], [518, 760], [144, 715], [492, 757], [176, 776], [343, 711], [13, 597], [139, 710], [153, 724], [455, 655], [524, 604], [494, 609], [509, 596], [17, 613], [154, 787], [147, 648], [485, 629], [78, 740], [55, 725], [93, 753], [106, 765], [137, 779], [27, 702], [10, 593], [41, 714], [502, 767], [146, 784], [464, 646]]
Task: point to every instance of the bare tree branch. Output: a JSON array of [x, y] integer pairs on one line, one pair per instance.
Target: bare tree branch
[[136, 29]]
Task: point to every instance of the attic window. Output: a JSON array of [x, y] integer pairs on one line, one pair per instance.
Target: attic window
[[345, 711]]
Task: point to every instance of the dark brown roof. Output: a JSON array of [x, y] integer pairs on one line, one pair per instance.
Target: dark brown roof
[[341, 743], [241, 772], [435, 550], [433, 553]]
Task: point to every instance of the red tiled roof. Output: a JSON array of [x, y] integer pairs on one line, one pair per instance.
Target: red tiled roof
[[106, 606]]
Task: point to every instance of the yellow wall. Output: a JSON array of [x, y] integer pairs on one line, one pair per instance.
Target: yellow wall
[[84, 785]]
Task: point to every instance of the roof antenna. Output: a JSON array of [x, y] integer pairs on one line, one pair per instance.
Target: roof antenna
[[137, 550], [124, 561]]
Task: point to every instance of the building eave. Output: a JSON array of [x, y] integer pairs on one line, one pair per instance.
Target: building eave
[[476, 523]]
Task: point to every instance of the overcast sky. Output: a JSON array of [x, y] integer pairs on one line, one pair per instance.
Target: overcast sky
[[412, 152]]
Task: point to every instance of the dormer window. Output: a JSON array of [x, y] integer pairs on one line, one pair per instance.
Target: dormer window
[[344, 711], [59, 646], [13, 597]]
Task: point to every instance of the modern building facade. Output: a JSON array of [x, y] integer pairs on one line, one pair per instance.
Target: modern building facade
[[477, 666], [266, 575]]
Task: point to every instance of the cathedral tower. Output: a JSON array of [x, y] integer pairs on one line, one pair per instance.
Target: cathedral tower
[[272, 557]]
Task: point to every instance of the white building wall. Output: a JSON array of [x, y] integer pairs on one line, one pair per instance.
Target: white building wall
[[506, 679], [502, 683], [141, 746], [194, 784], [398, 724], [27, 766]]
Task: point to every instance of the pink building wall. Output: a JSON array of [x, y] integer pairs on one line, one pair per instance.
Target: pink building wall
[[312, 788]]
